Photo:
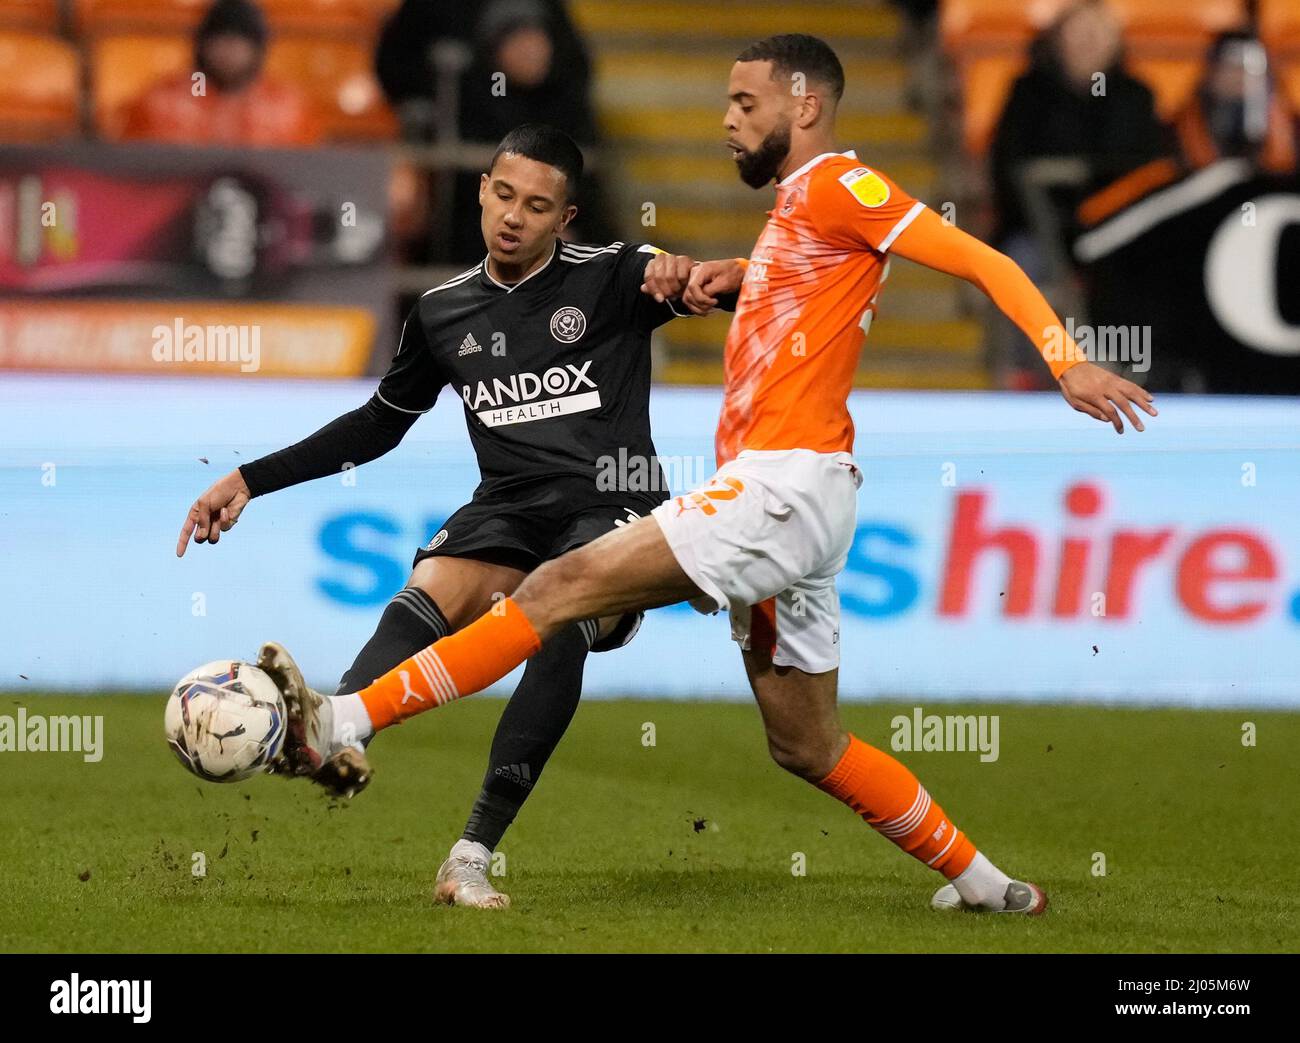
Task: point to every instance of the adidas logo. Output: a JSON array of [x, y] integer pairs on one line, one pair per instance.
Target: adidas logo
[[520, 774], [469, 345]]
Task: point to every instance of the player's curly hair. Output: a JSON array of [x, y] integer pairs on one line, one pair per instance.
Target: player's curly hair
[[790, 53]]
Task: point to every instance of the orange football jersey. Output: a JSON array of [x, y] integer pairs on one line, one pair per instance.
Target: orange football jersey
[[805, 305]]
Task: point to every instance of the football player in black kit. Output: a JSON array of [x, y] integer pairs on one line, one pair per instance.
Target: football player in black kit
[[548, 346]]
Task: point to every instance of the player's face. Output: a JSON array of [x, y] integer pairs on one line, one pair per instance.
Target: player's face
[[758, 121], [525, 206]]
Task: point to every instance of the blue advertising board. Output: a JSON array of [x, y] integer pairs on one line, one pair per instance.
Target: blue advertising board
[[1007, 547]]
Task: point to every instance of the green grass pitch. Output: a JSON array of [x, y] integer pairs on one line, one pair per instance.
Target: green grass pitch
[[687, 845]]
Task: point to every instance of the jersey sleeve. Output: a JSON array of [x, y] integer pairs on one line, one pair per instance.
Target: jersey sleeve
[[860, 208], [414, 377], [630, 268]]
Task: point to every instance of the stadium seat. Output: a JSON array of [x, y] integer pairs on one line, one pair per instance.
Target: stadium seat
[[97, 17], [1172, 80], [1164, 27], [123, 67], [33, 15], [339, 75], [1291, 84], [1279, 26], [39, 87], [326, 17], [972, 26], [985, 83]]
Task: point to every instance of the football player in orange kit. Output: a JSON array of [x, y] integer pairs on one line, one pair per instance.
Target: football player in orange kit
[[767, 535]]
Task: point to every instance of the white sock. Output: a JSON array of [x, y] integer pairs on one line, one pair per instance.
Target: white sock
[[982, 884], [471, 850], [351, 721]]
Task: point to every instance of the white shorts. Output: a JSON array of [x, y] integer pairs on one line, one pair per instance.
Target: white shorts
[[765, 537]]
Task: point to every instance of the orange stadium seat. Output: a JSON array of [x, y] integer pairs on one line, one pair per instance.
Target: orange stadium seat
[[1291, 84], [1172, 80], [40, 79], [35, 15], [967, 26], [1168, 27], [985, 84], [339, 75], [331, 17], [328, 16], [94, 17], [123, 67], [1279, 26]]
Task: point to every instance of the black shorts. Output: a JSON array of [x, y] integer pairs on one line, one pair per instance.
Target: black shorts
[[524, 524]]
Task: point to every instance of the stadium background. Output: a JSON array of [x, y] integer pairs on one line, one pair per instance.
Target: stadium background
[[318, 244]]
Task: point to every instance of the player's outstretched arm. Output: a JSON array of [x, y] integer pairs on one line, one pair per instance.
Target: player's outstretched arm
[[355, 438], [409, 388], [1089, 388]]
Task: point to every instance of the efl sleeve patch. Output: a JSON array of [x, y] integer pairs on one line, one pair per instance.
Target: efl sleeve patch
[[866, 187]]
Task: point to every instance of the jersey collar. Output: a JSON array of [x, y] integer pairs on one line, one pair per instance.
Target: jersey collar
[[850, 154], [536, 271]]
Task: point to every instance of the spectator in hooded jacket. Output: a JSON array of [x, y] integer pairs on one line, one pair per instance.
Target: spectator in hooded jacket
[[405, 59], [517, 77], [232, 101]]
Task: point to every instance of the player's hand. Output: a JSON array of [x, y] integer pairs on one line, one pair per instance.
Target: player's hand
[[1104, 395], [215, 512], [709, 280], [666, 276]]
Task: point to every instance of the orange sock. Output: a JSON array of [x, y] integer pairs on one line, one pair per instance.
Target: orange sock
[[461, 664], [896, 805]]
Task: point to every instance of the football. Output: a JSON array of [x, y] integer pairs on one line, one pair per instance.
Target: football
[[225, 721]]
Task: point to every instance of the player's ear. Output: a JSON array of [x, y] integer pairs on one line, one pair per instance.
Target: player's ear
[[482, 189], [809, 111], [566, 216]]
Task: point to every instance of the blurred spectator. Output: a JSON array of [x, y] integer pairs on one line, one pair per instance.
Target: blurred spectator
[[1061, 107], [1077, 103], [517, 76], [232, 102], [1238, 110], [405, 60]]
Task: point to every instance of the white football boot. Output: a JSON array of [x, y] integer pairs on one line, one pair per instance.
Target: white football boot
[[1020, 897], [463, 879], [309, 748]]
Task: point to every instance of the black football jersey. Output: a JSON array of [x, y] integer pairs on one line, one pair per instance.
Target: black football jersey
[[553, 372]]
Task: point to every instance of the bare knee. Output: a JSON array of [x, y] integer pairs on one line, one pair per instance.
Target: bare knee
[[811, 757], [558, 591]]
